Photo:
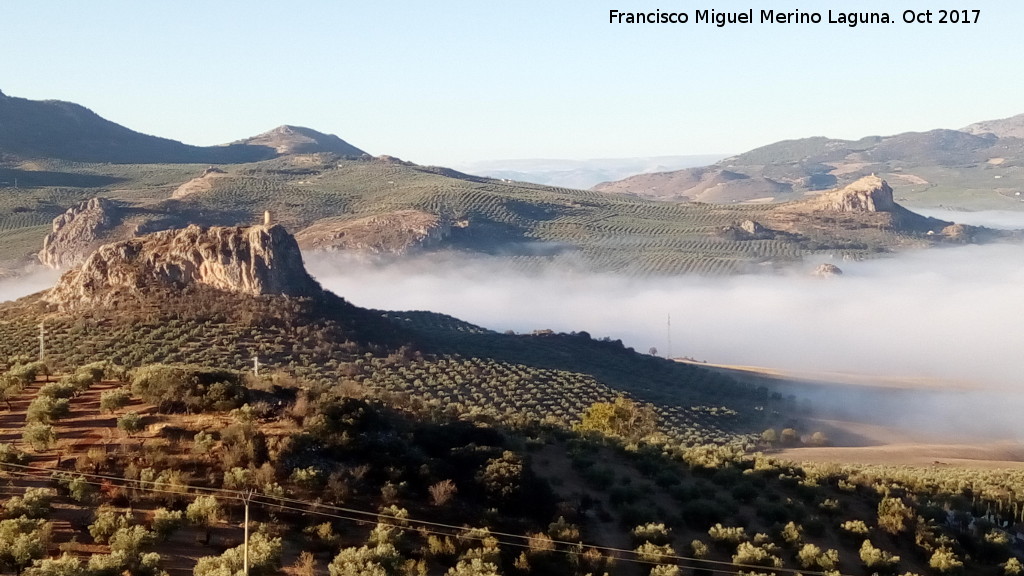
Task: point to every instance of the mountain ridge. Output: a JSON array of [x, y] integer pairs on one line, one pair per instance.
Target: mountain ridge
[[32, 129], [974, 167]]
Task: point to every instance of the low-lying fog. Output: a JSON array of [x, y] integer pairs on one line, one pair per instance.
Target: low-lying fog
[[954, 313]]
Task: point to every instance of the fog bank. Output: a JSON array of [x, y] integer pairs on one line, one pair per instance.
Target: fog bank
[[952, 313]]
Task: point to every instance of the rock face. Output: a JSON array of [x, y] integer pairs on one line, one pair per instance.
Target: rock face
[[78, 232], [250, 260], [869, 194]]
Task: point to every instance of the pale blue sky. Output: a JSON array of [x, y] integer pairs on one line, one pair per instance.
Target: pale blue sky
[[444, 82]]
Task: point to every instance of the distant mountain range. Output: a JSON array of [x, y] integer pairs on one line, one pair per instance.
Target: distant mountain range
[[580, 174], [67, 131], [980, 166]]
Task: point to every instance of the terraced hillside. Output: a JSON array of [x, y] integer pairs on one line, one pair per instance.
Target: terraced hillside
[[529, 224]]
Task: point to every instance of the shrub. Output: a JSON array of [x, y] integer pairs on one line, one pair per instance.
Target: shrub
[[944, 561], [165, 522], [622, 418], [114, 400], [877, 559], [180, 388], [812, 557], [655, 533], [750, 555], [648, 552], [9, 454], [727, 535], [107, 522], [63, 566], [442, 492], [23, 540], [27, 373], [893, 515], [130, 540], [473, 567], [47, 409], [130, 423], [382, 560], [35, 503], [62, 389], [264, 558], [39, 436], [111, 564]]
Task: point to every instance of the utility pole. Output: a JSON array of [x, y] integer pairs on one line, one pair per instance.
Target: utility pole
[[256, 365], [668, 333], [42, 341], [246, 497]]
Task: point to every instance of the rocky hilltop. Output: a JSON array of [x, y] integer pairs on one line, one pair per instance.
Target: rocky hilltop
[[253, 260], [299, 140], [869, 194], [396, 232], [78, 232]]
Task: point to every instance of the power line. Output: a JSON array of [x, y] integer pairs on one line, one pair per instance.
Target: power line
[[369, 517]]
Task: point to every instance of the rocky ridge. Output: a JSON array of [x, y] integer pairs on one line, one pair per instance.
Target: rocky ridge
[[78, 232], [253, 260]]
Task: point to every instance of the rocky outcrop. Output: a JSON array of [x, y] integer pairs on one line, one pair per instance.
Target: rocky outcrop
[[389, 233], [252, 260], [869, 194], [747, 230], [79, 231], [827, 270]]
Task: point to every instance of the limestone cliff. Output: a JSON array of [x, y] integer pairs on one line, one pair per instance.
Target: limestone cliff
[[869, 194], [250, 260], [79, 231]]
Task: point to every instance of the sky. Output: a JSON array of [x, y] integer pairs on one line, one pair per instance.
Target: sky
[[448, 82]]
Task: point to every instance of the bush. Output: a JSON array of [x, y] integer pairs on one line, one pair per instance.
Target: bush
[[181, 388], [23, 540], [63, 566], [648, 552], [9, 454], [47, 409], [165, 522], [114, 400], [130, 423], [107, 522], [383, 560], [750, 555], [63, 389], [35, 503], [655, 533], [944, 561], [40, 436], [877, 559], [812, 557], [27, 373]]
